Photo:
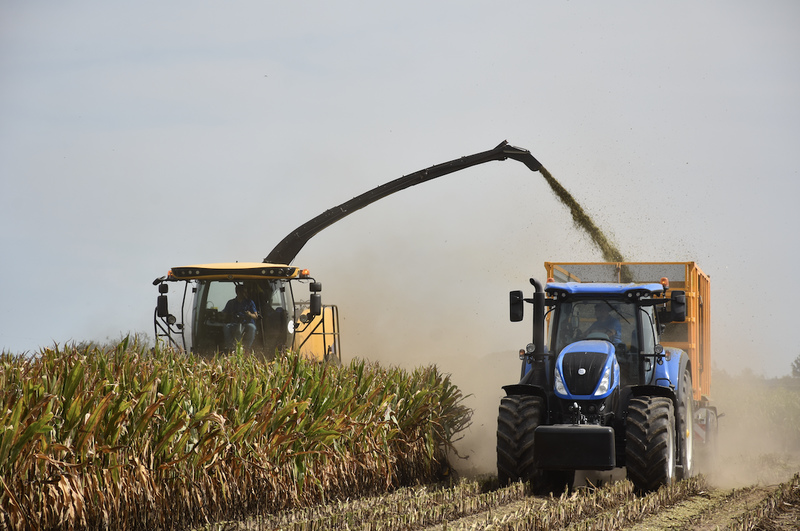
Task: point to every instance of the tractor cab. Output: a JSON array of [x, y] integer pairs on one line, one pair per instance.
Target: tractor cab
[[619, 318], [251, 305]]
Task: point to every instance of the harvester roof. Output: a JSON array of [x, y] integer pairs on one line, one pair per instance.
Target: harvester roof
[[236, 271]]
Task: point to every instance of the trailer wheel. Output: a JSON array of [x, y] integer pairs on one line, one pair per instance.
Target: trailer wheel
[[686, 425], [650, 442], [519, 416]]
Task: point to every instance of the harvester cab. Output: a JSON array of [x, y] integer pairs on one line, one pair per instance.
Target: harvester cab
[[608, 380], [276, 322]]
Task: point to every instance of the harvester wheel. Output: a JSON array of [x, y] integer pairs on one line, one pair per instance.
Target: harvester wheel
[[686, 425], [650, 442]]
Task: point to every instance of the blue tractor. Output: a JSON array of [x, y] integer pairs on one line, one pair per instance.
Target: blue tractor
[[599, 390]]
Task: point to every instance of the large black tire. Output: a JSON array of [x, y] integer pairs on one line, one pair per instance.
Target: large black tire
[[650, 442], [686, 425], [517, 419]]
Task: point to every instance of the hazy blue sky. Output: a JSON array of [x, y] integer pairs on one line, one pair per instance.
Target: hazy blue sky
[[139, 136]]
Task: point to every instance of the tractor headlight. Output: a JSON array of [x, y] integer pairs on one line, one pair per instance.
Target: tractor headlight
[[605, 382], [559, 384]]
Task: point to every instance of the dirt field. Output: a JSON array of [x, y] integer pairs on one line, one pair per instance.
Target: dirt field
[[703, 508], [692, 504]]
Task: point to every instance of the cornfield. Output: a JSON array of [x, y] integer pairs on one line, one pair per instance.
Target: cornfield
[[129, 438]]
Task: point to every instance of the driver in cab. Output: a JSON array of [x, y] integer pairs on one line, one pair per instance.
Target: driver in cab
[[606, 323], [242, 312]]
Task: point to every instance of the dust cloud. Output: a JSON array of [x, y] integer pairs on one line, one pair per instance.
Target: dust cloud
[[409, 320], [479, 378], [759, 434]]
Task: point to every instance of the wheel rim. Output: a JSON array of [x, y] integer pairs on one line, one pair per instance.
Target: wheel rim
[[689, 455], [670, 455]]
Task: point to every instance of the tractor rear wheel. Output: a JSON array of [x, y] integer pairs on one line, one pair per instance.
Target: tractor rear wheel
[[650, 442], [686, 425]]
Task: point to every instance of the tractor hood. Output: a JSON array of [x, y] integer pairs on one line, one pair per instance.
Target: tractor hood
[[586, 370]]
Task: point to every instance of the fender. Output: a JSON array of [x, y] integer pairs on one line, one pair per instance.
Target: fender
[[525, 390], [668, 373], [685, 365], [679, 362], [652, 390]]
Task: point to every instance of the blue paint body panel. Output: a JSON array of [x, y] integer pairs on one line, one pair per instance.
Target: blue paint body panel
[[610, 368], [600, 288]]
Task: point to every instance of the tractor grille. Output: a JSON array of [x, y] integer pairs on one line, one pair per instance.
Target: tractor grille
[[592, 362]]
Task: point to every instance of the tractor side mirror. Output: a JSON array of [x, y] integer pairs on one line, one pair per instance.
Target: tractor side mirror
[[516, 306], [678, 306], [315, 287], [315, 306], [162, 309]]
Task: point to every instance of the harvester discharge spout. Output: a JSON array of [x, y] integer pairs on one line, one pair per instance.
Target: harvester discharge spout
[[290, 246]]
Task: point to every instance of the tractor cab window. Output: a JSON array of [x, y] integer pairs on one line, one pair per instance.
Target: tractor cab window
[[648, 347], [648, 330], [604, 319]]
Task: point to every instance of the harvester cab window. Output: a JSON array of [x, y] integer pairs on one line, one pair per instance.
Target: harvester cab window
[[209, 319], [277, 313], [274, 305], [218, 295]]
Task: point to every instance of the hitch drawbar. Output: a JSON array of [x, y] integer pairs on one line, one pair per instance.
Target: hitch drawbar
[[574, 447]]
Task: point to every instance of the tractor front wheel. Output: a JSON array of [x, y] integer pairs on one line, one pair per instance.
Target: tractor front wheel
[[519, 416], [650, 442]]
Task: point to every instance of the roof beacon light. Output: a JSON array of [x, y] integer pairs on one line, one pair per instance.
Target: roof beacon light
[[665, 282], [304, 273]]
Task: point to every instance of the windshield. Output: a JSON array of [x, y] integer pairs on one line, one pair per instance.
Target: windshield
[[614, 321], [270, 318], [609, 320]]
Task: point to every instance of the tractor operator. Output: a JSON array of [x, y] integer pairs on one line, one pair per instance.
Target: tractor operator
[[606, 323]]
